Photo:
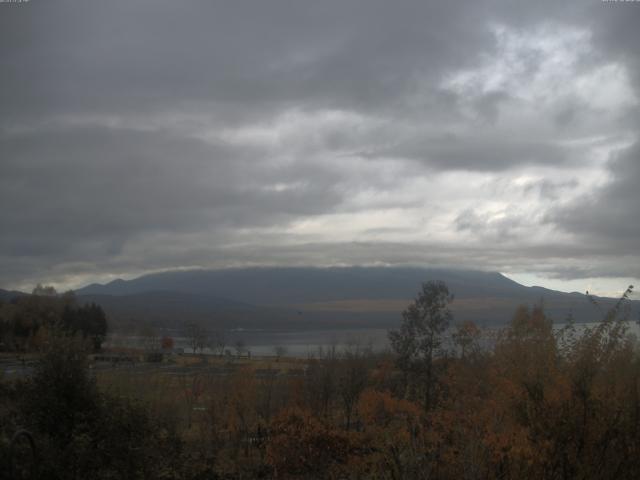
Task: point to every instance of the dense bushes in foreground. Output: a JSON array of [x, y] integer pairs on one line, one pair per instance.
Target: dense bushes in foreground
[[543, 404], [80, 432]]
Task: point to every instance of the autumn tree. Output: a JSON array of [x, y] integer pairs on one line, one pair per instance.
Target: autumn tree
[[301, 446], [603, 373], [31, 318], [321, 380], [394, 437], [192, 390], [242, 414], [167, 342], [466, 337], [419, 338], [88, 320], [353, 378], [31, 312]]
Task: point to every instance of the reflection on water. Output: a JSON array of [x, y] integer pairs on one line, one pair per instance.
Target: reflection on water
[[264, 342], [310, 342]]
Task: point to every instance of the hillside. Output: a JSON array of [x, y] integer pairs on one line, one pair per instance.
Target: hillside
[[6, 295], [320, 297]]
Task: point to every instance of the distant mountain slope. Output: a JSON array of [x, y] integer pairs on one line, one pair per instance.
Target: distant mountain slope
[[322, 297], [283, 286], [7, 295], [175, 309]]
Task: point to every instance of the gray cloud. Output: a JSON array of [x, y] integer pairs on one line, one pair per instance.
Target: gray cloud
[[103, 186], [608, 217], [153, 134], [451, 151], [501, 229], [149, 55], [551, 190]]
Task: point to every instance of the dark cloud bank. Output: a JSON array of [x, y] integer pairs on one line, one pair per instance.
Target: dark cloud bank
[[147, 135]]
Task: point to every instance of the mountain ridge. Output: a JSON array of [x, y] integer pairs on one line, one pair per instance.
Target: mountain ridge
[[284, 285], [342, 296], [307, 297]]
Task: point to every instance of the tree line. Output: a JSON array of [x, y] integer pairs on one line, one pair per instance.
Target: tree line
[[542, 403], [27, 321]]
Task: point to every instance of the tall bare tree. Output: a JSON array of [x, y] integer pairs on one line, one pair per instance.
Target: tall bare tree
[[196, 336], [419, 338]]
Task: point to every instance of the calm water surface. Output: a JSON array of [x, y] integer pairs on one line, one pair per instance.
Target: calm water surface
[[312, 342]]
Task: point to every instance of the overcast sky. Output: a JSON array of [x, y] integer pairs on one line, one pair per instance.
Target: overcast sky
[[144, 135]]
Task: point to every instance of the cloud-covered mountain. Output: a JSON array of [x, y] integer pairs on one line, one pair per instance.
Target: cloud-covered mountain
[[321, 297], [283, 286]]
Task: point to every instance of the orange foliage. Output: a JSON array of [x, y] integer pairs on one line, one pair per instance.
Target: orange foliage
[[381, 409], [166, 343], [303, 447]]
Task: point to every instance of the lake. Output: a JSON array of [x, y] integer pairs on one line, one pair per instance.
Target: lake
[[305, 343]]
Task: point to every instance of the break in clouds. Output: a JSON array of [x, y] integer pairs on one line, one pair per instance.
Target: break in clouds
[[145, 135]]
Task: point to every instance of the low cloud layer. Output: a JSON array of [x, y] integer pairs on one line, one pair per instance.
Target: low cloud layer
[[149, 135]]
